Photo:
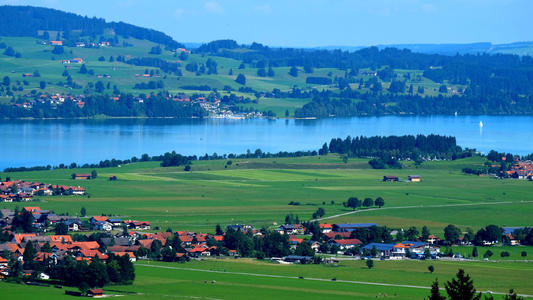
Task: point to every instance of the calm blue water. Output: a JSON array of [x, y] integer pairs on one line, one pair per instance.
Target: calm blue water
[[30, 143]]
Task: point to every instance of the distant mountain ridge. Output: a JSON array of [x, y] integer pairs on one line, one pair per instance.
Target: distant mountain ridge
[[28, 21], [448, 49]]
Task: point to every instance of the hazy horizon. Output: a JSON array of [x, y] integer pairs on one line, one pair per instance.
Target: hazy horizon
[[317, 23]]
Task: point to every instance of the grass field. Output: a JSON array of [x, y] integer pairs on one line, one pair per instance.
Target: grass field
[[257, 192], [515, 252], [251, 279]]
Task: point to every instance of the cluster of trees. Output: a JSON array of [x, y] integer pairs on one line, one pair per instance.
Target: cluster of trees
[[165, 66], [271, 244], [82, 274], [210, 67], [9, 51], [489, 234], [150, 85], [354, 103], [116, 269], [126, 106], [28, 20], [318, 80], [172, 159], [354, 202], [241, 79], [22, 221], [399, 147], [196, 87]]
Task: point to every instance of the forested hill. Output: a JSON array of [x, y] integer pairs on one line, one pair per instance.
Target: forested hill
[[28, 21]]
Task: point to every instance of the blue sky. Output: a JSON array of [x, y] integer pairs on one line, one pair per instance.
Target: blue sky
[[309, 23]]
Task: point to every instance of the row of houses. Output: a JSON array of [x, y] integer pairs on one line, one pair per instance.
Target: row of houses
[[107, 224], [78, 44], [19, 190], [53, 248], [76, 60], [521, 170], [410, 178], [295, 229], [43, 219]]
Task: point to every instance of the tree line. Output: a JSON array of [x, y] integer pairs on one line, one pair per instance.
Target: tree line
[[68, 271], [391, 148], [28, 20], [126, 106], [353, 103]]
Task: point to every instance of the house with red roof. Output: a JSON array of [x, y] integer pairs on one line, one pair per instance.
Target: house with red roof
[[326, 228], [337, 235], [131, 255], [95, 219], [346, 243]]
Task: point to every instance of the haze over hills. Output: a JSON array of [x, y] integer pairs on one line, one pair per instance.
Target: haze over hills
[[519, 48]]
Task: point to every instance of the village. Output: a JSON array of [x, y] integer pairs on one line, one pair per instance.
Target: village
[[521, 170], [212, 105], [23, 191], [97, 237]]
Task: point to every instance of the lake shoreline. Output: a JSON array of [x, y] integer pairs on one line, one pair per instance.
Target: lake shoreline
[[35, 142], [260, 118]]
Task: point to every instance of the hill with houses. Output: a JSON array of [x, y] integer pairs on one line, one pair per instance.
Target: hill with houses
[[78, 67]]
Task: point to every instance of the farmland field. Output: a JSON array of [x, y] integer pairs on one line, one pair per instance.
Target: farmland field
[[258, 191], [251, 279]]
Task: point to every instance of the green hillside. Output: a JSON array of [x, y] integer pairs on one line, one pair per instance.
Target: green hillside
[[36, 57], [91, 60]]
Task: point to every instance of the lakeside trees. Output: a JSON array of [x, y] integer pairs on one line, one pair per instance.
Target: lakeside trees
[[127, 105], [391, 148]]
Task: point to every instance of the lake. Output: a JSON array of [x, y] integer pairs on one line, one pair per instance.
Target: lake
[[31, 143]]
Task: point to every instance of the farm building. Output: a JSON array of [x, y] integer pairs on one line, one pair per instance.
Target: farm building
[[389, 178], [414, 178], [82, 176]]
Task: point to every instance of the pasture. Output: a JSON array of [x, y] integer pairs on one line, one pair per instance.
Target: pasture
[[252, 279], [258, 192]]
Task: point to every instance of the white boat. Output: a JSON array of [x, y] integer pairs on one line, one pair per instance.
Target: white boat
[[480, 124]]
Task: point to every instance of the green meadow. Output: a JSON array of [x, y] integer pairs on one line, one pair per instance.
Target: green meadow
[[252, 279], [258, 191]]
